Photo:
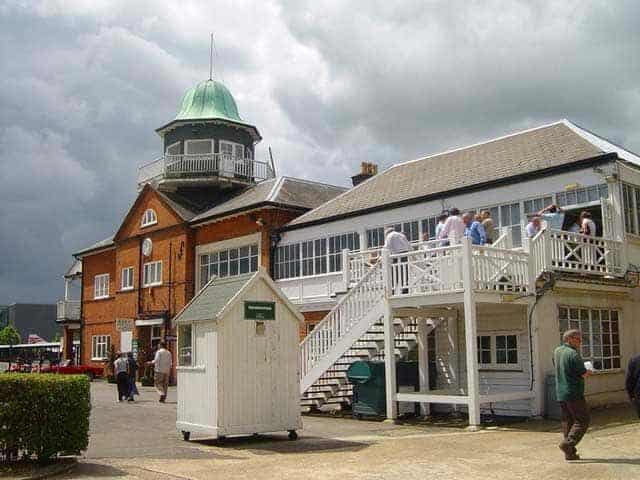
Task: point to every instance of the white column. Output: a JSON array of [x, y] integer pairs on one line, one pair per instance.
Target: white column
[[615, 197], [470, 331], [346, 272], [66, 289], [423, 362], [389, 342]]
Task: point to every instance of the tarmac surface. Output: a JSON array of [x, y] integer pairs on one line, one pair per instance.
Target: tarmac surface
[[139, 441]]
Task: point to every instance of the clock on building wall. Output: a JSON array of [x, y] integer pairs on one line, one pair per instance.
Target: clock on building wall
[[147, 247]]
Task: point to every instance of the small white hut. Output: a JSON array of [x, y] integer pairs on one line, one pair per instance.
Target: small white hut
[[238, 359]]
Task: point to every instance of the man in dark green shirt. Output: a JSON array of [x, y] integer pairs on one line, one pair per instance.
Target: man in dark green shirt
[[570, 375]]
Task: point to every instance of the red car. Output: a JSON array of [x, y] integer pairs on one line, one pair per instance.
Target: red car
[[65, 367]]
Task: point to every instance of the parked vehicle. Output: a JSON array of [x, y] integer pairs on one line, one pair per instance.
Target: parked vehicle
[[66, 367]]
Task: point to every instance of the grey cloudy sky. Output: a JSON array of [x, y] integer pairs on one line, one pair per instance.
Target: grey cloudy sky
[[329, 84]]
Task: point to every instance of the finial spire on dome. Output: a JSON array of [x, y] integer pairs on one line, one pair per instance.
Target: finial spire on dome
[[211, 59]]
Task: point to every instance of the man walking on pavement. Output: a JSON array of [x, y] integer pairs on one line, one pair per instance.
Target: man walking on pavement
[[570, 374], [632, 382], [162, 363], [120, 371]]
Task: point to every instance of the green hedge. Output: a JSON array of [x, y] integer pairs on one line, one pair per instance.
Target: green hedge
[[43, 415]]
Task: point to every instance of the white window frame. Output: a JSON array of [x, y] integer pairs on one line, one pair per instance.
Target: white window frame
[[101, 286], [157, 272], [169, 147], [494, 365], [149, 218], [227, 251], [233, 145], [191, 344], [197, 140], [126, 279], [100, 345], [589, 347], [153, 337]]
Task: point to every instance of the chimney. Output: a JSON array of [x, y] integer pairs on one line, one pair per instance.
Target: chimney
[[367, 170]]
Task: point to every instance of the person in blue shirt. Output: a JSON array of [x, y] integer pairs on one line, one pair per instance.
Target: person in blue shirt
[[474, 229]]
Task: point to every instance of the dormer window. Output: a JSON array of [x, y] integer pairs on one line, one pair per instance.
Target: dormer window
[[149, 218]]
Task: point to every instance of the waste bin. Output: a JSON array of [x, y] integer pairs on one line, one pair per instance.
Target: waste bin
[[368, 379]]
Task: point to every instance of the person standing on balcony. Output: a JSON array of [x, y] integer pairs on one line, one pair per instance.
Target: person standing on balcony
[[533, 227], [587, 225], [474, 229], [453, 229], [632, 382], [570, 374], [162, 363], [489, 227], [553, 215], [121, 372], [397, 243]]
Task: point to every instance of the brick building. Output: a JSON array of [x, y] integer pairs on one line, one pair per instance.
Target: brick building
[[205, 208]]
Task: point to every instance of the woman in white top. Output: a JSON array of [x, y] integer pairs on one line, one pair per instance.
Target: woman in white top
[[587, 225]]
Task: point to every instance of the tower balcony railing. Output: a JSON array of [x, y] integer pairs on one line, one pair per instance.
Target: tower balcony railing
[[68, 310], [222, 165]]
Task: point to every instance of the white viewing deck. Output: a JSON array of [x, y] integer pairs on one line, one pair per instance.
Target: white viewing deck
[[194, 169], [431, 278]]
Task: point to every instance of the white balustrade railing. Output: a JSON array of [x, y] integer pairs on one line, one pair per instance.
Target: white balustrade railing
[[426, 272], [574, 252], [499, 269], [68, 310], [225, 165], [351, 309]]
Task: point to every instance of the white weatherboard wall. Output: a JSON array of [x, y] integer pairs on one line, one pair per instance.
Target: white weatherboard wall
[[258, 387], [244, 378], [451, 357]]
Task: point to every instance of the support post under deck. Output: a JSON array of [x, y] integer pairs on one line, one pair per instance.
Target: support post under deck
[[389, 342], [423, 362], [470, 332]]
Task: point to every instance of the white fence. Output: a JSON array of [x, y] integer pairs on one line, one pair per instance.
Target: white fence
[[222, 164]]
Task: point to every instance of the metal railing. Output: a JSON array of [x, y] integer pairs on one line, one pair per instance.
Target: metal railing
[[68, 310], [220, 164]]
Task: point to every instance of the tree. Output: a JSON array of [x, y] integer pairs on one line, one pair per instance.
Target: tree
[[9, 336]]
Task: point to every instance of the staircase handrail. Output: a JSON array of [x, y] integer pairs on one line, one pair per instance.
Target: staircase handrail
[[335, 324]]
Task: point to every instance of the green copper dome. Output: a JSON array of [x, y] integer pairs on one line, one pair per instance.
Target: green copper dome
[[208, 99]]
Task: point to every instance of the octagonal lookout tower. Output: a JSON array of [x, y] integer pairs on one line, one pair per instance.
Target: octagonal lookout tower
[[207, 144]]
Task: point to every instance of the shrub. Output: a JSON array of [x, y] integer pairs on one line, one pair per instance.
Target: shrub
[[43, 415]]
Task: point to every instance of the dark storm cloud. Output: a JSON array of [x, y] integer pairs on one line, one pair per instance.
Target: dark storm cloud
[[329, 84]]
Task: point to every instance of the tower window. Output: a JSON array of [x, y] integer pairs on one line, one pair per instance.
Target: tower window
[[199, 147], [149, 218], [173, 149], [235, 150]]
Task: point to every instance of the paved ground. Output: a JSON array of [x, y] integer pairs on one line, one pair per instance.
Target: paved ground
[[130, 441]]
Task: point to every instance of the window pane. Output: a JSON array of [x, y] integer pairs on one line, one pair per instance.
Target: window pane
[[501, 356], [512, 341], [198, 147], [512, 356]]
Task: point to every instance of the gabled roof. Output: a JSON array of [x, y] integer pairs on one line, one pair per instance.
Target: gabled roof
[[509, 158], [75, 270], [282, 191], [221, 294]]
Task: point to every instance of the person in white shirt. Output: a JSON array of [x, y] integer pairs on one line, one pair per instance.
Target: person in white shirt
[[162, 363], [121, 372], [453, 229], [533, 227], [587, 225], [397, 243]]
